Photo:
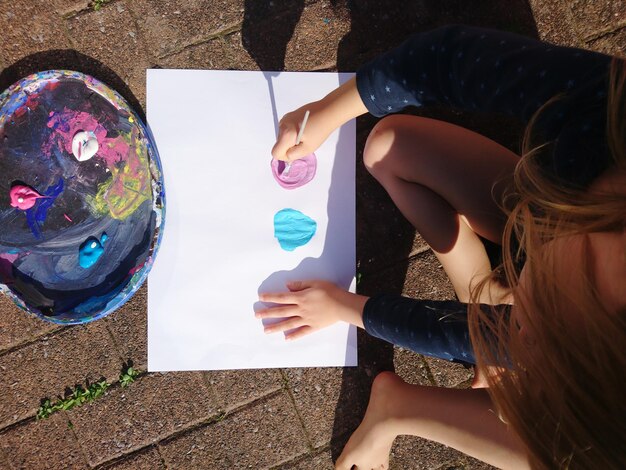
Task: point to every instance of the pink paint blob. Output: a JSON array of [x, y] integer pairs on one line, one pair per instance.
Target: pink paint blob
[[299, 173], [24, 197], [67, 217]]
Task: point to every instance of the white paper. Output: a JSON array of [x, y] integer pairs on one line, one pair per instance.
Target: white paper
[[214, 131]]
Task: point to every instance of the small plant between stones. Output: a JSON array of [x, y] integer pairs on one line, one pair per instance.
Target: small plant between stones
[[97, 4], [80, 395]]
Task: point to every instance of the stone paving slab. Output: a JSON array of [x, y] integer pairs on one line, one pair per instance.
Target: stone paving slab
[[41, 445], [235, 388], [222, 53], [412, 367], [594, 17], [29, 27], [149, 410], [127, 57], [129, 326], [607, 43], [409, 453], [18, 326], [305, 51], [145, 460], [260, 436], [169, 26], [319, 461], [449, 375], [317, 393], [76, 355]]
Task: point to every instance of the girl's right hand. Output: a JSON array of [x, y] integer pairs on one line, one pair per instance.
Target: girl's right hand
[[325, 115], [315, 132]]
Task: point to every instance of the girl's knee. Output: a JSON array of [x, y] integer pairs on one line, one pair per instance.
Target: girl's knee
[[389, 139], [379, 144]]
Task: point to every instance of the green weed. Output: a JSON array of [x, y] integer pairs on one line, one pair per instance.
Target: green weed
[[80, 395], [75, 397], [97, 4], [128, 376]]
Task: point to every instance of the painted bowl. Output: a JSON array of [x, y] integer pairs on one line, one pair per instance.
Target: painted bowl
[[82, 202]]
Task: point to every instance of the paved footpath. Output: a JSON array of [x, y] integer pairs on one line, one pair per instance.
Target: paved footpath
[[274, 418]]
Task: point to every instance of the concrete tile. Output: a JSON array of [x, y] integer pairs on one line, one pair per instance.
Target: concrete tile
[[168, 26], [145, 460], [411, 367], [317, 393], [420, 277], [68, 8], [612, 43], [382, 240], [47, 367], [41, 445], [591, 17], [234, 388], [554, 22], [449, 374], [111, 37], [18, 326], [29, 27], [414, 453], [319, 461], [129, 328], [316, 38], [150, 409], [221, 53], [261, 436], [426, 279]]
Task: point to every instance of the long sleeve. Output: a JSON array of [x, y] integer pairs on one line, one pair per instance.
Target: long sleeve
[[429, 327], [476, 69]]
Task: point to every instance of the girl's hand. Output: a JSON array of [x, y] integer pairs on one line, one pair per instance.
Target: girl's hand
[[326, 115], [310, 306], [316, 131]]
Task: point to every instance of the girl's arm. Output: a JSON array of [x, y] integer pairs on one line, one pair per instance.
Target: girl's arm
[[433, 328], [477, 69]]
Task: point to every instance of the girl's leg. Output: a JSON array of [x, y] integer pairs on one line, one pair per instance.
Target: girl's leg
[[447, 181], [460, 418]]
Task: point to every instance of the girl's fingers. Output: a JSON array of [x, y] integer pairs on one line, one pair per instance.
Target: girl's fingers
[[276, 312], [295, 286], [286, 140], [299, 332], [297, 151], [279, 297], [288, 324]]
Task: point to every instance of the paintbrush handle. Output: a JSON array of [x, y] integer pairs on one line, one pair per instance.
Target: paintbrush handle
[[306, 118]]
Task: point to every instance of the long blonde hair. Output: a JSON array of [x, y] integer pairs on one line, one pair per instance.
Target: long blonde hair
[[564, 390]]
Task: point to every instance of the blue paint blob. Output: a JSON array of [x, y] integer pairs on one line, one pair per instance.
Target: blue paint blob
[[293, 229], [91, 250]]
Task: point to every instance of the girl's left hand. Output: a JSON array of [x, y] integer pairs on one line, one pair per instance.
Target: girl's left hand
[[310, 306]]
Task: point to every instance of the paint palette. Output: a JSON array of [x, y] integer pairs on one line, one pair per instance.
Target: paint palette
[[81, 197]]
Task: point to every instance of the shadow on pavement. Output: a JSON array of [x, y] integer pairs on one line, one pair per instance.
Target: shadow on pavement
[[69, 59]]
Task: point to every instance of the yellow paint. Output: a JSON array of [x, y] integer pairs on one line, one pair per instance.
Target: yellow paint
[[126, 190]]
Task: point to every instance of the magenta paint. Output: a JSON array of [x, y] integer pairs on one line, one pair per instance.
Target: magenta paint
[[300, 172], [24, 197]]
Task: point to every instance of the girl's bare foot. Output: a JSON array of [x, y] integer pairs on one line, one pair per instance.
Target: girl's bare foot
[[369, 446]]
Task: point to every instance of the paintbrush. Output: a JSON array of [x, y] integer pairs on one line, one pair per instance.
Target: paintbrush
[[298, 138]]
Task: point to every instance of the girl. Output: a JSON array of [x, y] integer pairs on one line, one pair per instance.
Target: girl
[[554, 362]]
